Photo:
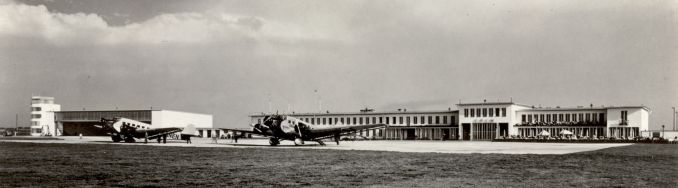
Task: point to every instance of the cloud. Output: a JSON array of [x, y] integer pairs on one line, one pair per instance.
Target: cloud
[[19, 20]]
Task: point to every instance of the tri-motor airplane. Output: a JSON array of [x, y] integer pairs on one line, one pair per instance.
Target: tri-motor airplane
[[127, 130], [281, 127]]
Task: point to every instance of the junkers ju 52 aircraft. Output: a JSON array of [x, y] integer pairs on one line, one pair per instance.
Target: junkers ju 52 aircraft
[[281, 127], [127, 130]]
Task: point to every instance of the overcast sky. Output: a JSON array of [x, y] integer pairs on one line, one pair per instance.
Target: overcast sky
[[230, 58]]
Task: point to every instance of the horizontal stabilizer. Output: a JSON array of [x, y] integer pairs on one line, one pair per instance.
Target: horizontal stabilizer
[[189, 130]]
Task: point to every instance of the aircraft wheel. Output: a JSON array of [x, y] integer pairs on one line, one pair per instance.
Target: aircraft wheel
[[116, 138], [129, 139], [298, 141], [273, 141]]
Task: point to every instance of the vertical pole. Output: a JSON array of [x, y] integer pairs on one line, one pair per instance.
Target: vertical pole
[[16, 124], [674, 118]]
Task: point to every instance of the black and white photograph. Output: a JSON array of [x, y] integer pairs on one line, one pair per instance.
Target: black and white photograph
[[307, 93]]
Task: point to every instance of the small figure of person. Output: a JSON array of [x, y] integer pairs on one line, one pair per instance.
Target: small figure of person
[[188, 139], [80, 136], [214, 140], [235, 138]]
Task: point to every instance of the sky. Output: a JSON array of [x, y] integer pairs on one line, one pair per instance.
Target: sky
[[235, 58]]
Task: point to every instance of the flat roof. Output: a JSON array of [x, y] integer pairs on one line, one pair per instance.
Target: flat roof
[[491, 103], [362, 113], [582, 108]]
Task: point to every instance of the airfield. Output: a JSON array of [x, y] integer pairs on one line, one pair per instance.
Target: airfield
[[461, 147], [95, 161]]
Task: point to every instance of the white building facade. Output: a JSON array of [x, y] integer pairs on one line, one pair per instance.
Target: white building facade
[[490, 120], [42, 115]]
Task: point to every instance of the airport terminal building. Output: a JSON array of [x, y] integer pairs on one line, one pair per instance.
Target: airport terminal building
[[490, 120]]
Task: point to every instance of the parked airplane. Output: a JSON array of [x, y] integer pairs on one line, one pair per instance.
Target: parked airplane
[[280, 127], [123, 129]]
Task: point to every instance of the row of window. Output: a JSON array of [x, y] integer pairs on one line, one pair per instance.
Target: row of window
[[97, 115], [485, 112], [36, 109], [585, 117], [36, 116], [402, 120]]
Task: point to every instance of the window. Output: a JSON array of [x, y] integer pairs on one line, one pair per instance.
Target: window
[[452, 120], [560, 117], [624, 115], [522, 118], [602, 117], [529, 118], [465, 112], [437, 119], [415, 120], [536, 118], [324, 121], [393, 119], [36, 109], [367, 120], [354, 121], [541, 117], [36, 116], [381, 119], [445, 120], [491, 112], [503, 112], [555, 117], [567, 117], [34, 123], [588, 117], [548, 118], [374, 120], [336, 120], [387, 120], [430, 119], [473, 112], [496, 111], [478, 111], [407, 120], [330, 119], [360, 120], [574, 117], [342, 121], [581, 117], [401, 120], [423, 121], [484, 112]]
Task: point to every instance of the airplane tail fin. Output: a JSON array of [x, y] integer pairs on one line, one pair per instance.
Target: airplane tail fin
[[189, 130]]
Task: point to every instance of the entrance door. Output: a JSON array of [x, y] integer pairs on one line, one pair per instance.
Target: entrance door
[[446, 134], [466, 134], [409, 134], [503, 129]]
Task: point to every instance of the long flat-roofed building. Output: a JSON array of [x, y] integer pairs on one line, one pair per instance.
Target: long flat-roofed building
[[402, 124], [490, 120]]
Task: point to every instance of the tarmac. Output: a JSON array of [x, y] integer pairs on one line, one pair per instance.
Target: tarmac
[[420, 146]]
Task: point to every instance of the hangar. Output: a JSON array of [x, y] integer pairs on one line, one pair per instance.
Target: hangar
[[72, 123]]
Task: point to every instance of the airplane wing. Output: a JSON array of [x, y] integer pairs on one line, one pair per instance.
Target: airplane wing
[[329, 131], [248, 131], [154, 133]]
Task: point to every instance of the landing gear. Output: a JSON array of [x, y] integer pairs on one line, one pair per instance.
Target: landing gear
[[298, 141], [320, 142], [116, 138], [273, 141], [129, 139]]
